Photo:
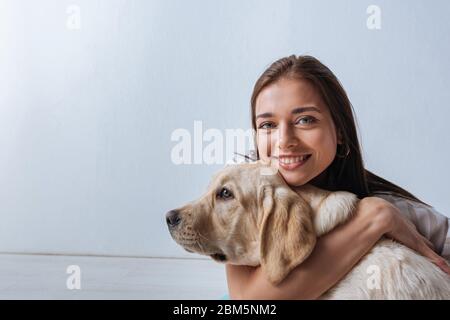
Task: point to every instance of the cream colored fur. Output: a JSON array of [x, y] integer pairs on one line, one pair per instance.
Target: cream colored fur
[[267, 223]]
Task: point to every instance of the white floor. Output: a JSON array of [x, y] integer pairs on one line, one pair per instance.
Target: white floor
[[45, 277]]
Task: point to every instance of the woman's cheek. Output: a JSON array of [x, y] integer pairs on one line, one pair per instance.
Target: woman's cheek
[[327, 144], [265, 145]]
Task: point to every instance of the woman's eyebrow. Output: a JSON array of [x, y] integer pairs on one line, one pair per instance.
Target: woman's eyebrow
[[304, 109], [295, 111]]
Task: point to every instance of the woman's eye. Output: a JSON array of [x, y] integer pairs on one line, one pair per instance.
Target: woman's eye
[[308, 119], [302, 120], [224, 193], [266, 125]]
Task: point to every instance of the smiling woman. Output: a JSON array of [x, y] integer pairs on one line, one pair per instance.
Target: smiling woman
[[301, 139], [305, 125], [299, 107]]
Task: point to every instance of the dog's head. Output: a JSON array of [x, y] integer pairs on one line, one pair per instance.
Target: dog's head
[[248, 216]]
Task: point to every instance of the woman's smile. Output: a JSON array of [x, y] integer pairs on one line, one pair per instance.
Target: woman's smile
[[292, 162]]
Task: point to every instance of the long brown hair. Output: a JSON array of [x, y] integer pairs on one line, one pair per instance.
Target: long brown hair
[[347, 171]]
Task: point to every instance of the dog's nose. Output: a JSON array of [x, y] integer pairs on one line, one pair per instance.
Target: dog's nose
[[173, 218]]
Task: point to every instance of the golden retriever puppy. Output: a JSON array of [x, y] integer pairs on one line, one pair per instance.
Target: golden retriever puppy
[[250, 216]]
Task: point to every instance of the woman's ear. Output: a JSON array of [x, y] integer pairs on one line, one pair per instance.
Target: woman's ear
[[287, 234]]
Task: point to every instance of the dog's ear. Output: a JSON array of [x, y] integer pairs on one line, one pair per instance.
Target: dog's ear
[[287, 235]]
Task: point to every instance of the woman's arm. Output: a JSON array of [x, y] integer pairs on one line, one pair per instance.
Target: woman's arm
[[333, 257], [404, 231], [430, 223]]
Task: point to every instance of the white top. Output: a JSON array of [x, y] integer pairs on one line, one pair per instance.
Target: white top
[[429, 222]]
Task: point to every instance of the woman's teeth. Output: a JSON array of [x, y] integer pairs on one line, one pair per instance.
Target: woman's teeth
[[290, 160]]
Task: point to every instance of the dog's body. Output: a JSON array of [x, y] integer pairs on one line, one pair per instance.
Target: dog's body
[[389, 271], [251, 217], [392, 271]]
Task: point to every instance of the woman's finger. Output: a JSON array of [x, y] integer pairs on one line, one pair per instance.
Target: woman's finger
[[435, 258], [444, 266]]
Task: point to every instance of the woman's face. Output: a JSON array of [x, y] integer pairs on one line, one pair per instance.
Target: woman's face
[[292, 123]]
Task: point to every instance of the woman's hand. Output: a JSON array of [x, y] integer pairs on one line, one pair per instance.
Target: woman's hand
[[399, 228]]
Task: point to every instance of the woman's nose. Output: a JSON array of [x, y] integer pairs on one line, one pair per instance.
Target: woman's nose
[[286, 138]]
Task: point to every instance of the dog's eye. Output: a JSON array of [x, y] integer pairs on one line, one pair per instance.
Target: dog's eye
[[224, 193]]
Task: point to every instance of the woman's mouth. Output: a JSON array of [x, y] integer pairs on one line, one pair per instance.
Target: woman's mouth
[[291, 163]]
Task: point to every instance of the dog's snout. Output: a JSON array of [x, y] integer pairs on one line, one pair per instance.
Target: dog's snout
[[173, 218]]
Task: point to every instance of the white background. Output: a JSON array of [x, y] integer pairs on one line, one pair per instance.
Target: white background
[[86, 115]]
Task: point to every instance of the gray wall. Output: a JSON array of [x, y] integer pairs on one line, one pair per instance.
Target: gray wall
[[86, 115]]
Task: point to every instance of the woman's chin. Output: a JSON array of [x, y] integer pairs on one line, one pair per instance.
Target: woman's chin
[[294, 178]]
